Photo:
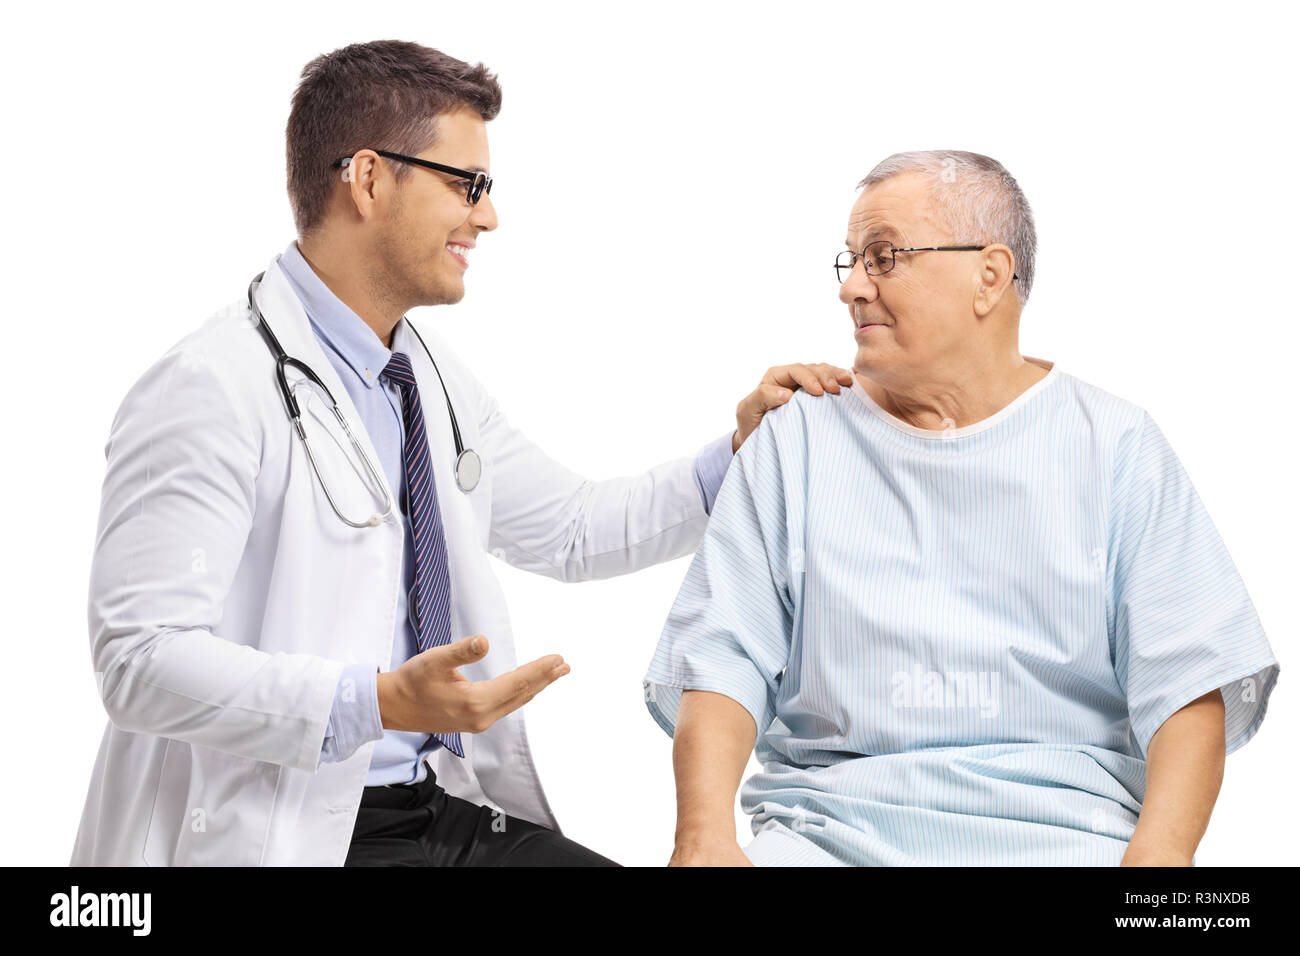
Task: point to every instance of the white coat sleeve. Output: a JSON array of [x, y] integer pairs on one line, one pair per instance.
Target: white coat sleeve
[[552, 521], [176, 510]]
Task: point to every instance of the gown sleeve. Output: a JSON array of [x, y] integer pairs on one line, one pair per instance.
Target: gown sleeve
[[1181, 622], [729, 630]]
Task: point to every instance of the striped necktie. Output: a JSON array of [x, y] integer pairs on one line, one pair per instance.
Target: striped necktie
[[432, 587]]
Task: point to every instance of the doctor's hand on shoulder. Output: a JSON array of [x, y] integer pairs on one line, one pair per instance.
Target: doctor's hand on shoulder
[[429, 695], [777, 386]]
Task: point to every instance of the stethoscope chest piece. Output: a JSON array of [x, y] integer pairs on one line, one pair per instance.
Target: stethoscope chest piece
[[469, 467]]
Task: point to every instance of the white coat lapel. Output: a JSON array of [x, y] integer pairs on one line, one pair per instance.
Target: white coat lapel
[[347, 477], [354, 572]]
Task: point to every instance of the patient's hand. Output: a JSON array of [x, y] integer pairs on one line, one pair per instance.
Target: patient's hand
[[711, 851], [1142, 857]]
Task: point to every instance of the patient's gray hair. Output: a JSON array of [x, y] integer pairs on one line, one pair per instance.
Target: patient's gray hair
[[980, 200]]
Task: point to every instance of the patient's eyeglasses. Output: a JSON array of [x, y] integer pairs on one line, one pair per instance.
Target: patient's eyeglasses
[[476, 182], [878, 257]]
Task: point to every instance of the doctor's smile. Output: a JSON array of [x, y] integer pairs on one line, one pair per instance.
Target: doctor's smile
[[460, 252]]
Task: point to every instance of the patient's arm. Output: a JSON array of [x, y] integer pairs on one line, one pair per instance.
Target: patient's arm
[[711, 743], [1184, 771]]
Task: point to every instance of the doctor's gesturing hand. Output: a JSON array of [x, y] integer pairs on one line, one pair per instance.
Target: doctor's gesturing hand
[[777, 386], [429, 695]]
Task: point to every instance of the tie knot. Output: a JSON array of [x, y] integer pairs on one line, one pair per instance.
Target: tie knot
[[399, 369]]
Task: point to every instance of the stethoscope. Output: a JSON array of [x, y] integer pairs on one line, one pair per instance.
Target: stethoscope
[[469, 466]]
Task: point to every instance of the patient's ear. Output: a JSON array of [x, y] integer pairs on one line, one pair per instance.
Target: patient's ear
[[996, 267]]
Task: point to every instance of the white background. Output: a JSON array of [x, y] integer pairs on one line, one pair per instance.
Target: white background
[[673, 181]]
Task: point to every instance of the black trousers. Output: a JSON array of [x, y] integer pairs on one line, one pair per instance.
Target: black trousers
[[420, 824]]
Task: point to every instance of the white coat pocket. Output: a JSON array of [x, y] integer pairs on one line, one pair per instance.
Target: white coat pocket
[[223, 818]]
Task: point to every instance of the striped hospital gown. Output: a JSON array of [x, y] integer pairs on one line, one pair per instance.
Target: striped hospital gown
[[958, 645]]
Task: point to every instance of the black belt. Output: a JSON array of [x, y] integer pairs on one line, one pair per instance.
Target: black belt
[[401, 796]]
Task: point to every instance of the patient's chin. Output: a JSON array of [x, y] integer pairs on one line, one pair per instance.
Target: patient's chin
[[870, 357]]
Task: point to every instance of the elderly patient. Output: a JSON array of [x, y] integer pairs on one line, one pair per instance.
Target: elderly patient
[[971, 611]]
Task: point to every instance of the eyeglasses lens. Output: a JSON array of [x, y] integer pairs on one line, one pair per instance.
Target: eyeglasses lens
[[878, 259]]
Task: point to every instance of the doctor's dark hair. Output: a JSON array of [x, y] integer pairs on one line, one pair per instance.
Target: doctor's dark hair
[[386, 94]]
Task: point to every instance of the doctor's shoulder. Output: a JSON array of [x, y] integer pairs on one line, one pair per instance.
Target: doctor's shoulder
[[211, 378]]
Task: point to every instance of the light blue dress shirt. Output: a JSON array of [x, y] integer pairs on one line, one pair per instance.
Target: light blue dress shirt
[[359, 357], [956, 646]]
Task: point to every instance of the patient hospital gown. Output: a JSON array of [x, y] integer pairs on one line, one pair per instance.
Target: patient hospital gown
[[957, 645]]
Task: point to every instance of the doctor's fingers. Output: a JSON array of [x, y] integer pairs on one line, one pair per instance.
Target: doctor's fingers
[[465, 651], [815, 377], [495, 698]]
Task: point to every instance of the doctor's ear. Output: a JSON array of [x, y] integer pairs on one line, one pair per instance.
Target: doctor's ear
[[360, 174], [350, 167]]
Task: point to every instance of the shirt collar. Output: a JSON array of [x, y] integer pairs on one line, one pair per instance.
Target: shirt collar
[[341, 328], [401, 338]]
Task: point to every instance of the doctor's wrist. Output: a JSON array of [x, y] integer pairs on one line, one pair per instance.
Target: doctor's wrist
[[393, 712]]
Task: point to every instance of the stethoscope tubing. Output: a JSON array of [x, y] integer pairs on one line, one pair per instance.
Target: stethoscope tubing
[[468, 465]]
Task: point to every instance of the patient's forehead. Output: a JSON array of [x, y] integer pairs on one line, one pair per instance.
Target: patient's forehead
[[900, 209]]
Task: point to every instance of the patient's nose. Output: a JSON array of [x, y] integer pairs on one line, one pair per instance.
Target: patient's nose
[[858, 286]]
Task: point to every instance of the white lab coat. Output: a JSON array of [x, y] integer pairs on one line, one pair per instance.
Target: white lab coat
[[226, 595]]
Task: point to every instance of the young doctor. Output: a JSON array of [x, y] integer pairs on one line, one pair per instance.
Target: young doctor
[[302, 649]]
